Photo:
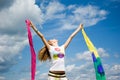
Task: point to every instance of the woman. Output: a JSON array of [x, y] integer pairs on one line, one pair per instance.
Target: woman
[[55, 54]]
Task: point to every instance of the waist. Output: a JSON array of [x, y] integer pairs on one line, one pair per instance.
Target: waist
[[57, 74], [57, 65]]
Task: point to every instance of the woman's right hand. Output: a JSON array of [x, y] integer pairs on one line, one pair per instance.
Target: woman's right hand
[[28, 22], [31, 24]]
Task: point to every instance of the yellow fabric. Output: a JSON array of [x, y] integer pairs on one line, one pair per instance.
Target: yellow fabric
[[89, 44]]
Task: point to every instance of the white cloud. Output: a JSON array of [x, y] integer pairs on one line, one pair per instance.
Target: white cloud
[[115, 69], [69, 68], [43, 76], [2, 78], [53, 9], [10, 46], [13, 36], [82, 67], [18, 12], [112, 71], [86, 72], [25, 79], [82, 71], [13, 44], [86, 55], [102, 52], [114, 78], [88, 15]]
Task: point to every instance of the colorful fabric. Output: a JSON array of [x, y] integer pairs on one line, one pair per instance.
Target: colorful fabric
[[57, 58], [100, 74], [33, 55]]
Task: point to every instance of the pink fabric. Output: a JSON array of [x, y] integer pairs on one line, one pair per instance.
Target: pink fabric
[[33, 55]]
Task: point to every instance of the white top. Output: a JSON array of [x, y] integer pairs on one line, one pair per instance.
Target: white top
[[57, 57]]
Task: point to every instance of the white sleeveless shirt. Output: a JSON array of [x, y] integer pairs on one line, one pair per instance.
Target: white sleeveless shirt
[[57, 58]]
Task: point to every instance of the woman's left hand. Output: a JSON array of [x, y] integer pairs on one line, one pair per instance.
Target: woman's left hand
[[81, 26]]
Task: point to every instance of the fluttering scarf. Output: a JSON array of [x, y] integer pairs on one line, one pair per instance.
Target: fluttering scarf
[[33, 55], [100, 74]]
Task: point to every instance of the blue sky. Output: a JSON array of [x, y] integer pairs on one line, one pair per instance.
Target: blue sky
[[58, 19]]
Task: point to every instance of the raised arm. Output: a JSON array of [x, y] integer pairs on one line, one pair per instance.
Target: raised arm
[[72, 35], [41, 36]]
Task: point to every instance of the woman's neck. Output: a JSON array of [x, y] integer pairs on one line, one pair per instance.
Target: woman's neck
[[55, 45]]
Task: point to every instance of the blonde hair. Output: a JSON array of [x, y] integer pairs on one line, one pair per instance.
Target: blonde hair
[[43, 54]]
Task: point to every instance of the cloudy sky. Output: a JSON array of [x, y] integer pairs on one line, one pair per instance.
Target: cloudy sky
[[58, 19]]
